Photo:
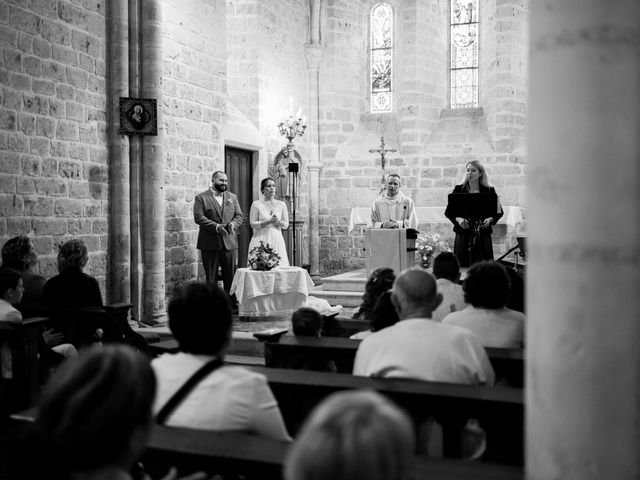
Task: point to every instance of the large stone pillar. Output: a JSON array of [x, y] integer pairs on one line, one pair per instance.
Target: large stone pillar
[[583, 326], [118, 280], [313, 54], [152, 171]]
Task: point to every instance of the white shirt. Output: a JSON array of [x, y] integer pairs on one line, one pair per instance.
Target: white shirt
[[452, 299], [399, 208], [423, 349], [230, 398], [8, 313], [500, 328]]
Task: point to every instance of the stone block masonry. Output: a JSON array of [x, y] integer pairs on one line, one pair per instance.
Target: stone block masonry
[[52, 127]]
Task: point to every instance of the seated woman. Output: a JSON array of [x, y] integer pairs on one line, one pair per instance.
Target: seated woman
[[268, 217], [383, 315], [486, 288], [380, 280], [73, 288], [83, 433], [228, 398], [19, 254], [353, 434]]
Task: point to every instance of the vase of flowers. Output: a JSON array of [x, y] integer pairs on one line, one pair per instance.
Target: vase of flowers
[[428, 245], [263, 257]]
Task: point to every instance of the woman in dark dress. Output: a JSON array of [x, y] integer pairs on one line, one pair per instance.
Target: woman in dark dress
[[474, 181], [73, 288]]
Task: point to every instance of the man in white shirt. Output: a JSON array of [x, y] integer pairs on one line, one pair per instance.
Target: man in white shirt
[[393, 209], [446, 269], [416, 346], [487, 287], [228, 398]]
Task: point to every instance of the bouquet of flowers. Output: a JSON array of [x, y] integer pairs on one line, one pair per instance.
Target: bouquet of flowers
[[263, 257], [428, 245]]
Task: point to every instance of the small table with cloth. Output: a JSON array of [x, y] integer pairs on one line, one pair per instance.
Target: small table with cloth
[[278, 291]]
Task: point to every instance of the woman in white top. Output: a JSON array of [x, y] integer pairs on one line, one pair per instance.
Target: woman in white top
[[268, 217]]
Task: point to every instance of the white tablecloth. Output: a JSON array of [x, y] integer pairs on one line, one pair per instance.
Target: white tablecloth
[[276, 291], [362, 216]]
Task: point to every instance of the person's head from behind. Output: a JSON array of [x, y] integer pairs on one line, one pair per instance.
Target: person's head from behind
[[18, 253], [380, 280], [11, 288], [72, 256], [415, 294], [352, 434], [384, 313], [307, 322], [516, 293], [96, 411], [446, 265], [486, 285], [200, 318]]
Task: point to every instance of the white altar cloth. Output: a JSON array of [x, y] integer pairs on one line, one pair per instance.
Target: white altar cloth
[[277, 291], [362, 216]]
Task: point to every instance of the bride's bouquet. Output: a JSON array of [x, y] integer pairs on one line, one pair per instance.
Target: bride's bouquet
[[263, 257]]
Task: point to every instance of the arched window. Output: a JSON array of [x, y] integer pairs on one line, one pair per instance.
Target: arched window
[[464, 53], [381, 57]]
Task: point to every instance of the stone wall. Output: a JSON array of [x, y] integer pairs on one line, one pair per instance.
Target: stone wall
[[433, 142], [194, 82], [53, 156]]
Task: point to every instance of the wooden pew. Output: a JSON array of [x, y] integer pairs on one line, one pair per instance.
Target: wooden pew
[[193, 450], [500, 410], [79, 323], [287, 350], [20, 391]]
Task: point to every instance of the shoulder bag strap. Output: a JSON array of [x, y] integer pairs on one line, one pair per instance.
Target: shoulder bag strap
[[178, 397]]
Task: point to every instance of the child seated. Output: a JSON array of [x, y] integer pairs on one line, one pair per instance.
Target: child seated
[[307, 322]]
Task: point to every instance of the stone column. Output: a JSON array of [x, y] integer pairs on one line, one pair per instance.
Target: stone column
[[118, 280], [313, 55], [583, 326], [151, 174]]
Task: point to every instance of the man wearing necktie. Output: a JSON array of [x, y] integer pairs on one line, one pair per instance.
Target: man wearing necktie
[[218, 214]]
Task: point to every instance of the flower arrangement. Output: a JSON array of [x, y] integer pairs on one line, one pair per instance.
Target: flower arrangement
[[428, 245], [263, 257]]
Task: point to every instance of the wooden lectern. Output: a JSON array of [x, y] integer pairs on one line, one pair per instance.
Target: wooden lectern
[[394, 248]]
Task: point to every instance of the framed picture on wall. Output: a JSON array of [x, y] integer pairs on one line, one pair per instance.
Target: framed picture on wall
[[138, 116]]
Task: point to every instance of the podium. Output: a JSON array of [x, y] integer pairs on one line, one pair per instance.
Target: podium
[[394, 248]]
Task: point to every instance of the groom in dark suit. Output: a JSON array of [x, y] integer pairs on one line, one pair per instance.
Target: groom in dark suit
[[218, 214]]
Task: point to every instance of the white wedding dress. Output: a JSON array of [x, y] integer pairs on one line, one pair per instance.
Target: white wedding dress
[[272, 233]]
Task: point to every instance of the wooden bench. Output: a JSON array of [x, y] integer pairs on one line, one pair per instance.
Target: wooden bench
[[286, 352], [500, 410], [78, 323], [20, 391], [253, 456]]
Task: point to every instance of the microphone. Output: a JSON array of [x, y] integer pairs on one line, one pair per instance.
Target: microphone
[[404, 216]]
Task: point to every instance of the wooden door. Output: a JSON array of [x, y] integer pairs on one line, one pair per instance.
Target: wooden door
[[238, 165]]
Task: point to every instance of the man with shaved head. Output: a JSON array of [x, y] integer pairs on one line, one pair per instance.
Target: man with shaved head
[[418, 347]]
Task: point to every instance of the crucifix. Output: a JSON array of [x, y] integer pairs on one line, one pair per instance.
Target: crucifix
[[382, 151]]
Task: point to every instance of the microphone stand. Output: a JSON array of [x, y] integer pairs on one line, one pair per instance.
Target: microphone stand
[[293, 168]]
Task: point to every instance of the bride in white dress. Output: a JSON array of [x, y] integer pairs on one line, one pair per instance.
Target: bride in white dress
[[268, 217]]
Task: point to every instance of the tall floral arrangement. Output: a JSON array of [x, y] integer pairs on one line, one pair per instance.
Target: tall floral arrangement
[[428, 245], [263, 257]]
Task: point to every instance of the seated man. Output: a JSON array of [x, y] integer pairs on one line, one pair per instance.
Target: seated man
[[486, 287], [393, 209], [307, 322], [446, 269], [416, 346], [228, 398]]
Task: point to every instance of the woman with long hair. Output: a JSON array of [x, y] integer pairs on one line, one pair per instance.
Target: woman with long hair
[[473, 234], [268, 217]]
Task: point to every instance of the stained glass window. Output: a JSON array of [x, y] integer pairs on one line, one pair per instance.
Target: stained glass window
[[464, 53], [381, 57]]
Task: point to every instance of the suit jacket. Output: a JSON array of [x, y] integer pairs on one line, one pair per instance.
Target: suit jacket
[[208, 215]]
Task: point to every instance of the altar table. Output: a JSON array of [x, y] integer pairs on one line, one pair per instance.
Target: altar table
[[272, 292], [362, 216]]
